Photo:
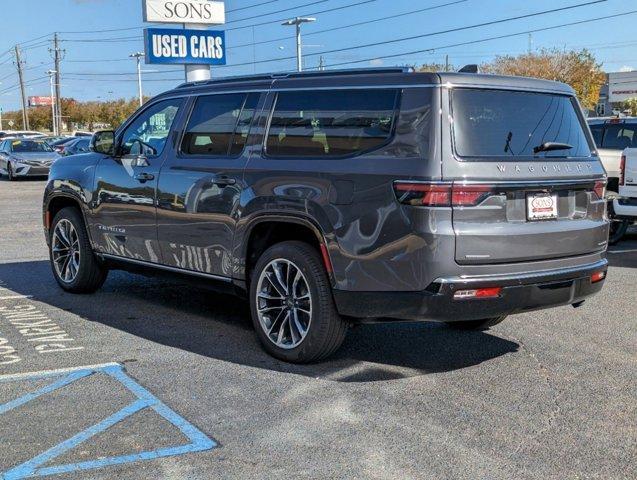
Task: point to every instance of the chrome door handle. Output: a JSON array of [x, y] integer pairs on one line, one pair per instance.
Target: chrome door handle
[[223, 181], [143, 177]]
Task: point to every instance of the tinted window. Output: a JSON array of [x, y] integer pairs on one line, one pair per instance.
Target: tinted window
[[620, 135], [497, 123], [219, 124], [148, 133], [26, 146], [598, 132], [330, 124]]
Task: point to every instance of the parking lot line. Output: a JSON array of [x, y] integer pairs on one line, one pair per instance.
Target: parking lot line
[[33, 467]]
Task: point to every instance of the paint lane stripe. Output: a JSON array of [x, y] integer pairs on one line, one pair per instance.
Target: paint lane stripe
[[15, 297], [29, 468], [200, 441], [630, 250], [51, 373], [44, 390]]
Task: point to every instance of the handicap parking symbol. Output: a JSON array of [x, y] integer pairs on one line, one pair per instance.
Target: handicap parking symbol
[[34, 467]]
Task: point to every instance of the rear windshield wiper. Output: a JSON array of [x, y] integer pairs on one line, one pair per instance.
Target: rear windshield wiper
[[549, 146]]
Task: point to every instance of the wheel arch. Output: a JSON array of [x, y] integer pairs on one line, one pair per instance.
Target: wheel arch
[[56, 202], [267, 230]]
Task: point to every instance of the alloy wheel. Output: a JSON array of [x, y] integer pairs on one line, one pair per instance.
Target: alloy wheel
[[65, 249], [284, 303]]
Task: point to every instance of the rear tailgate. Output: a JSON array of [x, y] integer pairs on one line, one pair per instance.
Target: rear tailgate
[[628, 188], [534, 204]]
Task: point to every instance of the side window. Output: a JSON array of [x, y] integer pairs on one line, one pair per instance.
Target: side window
[[620, 135], [598, 132], [330, 123], [148, 133], [219, 124]]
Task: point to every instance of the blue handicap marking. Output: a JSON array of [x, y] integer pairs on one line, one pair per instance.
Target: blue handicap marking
[[144, 399]]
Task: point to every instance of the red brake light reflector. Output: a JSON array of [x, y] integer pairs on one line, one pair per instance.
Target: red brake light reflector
[[622, 170], [598, 277], [491, 292], [600, 188]]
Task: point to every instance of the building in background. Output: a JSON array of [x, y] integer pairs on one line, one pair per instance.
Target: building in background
[[618, 88]]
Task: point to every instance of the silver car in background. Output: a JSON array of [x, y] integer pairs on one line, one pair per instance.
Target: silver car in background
[[22, 157]]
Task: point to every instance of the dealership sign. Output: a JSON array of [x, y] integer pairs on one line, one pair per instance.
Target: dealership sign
[[184, 11], [622, 86], [171, 46], [40, 101]]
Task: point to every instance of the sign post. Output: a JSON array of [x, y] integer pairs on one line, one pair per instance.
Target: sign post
[[195, 47]]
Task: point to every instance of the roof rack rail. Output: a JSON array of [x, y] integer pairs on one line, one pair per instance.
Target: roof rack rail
[[316, 73]]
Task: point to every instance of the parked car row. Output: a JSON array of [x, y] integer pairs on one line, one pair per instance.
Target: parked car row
[[25, 154]]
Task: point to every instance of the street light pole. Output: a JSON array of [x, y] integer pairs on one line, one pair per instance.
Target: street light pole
[[51, 74], [297, 21], [138, 56]]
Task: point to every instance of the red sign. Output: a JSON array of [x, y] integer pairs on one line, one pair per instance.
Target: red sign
[[40, 101]]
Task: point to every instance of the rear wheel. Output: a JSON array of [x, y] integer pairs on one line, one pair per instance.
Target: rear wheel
[[73, 262], [292, 307], [618, 227], [482, 324]]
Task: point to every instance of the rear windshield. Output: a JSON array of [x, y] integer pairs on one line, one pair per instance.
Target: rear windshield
[[25, 146], [499, 123], [615, 136]]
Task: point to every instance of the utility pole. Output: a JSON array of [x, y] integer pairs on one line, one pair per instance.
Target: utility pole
[[446, 63], [19, 64], [54, 126], [297, 23], [138, 56], [530, 43], [321, 65], [58, 100]]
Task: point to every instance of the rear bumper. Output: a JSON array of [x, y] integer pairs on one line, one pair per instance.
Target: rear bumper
[[520, 293], [625, 207]]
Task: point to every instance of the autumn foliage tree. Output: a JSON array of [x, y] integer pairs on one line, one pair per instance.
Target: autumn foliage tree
[[578, 68]]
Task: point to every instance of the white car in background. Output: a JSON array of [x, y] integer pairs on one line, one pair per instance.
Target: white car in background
[[612, 136]]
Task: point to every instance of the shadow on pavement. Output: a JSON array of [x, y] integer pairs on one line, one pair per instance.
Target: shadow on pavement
[[219, 326], [624, 253]]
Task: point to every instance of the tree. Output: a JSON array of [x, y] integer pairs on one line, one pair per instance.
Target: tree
[[578, 68], [630, 106], [435, 67]]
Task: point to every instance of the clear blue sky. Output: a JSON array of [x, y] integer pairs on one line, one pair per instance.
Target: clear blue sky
[[30, 22]]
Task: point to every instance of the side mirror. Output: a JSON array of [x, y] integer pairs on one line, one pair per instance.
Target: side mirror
[[103, 142]]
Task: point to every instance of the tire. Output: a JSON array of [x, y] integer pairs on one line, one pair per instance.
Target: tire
[[274, 305], [10, 174], [89, 274], [618, 227], [478, 325]]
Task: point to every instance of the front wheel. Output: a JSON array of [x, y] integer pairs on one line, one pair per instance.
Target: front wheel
[[74, 264], [482, 324], [293, 311], [10, 174]]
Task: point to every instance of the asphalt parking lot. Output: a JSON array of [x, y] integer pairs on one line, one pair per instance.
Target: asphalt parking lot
[[167, 381]]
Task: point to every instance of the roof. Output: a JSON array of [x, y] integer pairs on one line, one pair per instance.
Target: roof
[[375, 76]]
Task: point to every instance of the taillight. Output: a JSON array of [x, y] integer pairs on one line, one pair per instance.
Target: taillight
[[599, 188], [441, 194], [469, 195], [622, 170], [423, 194], [598, 277]]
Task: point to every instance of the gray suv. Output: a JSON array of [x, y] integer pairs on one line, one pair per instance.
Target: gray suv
[[330, 198]]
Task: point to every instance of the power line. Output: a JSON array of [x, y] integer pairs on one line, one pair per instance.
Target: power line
[[414, 37], [251, 6], [317, 32], [121, 73], [472, 42], [279, 11]]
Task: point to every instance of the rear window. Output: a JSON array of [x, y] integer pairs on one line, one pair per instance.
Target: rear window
[[325, 124], [499, 123], [618, 136]]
